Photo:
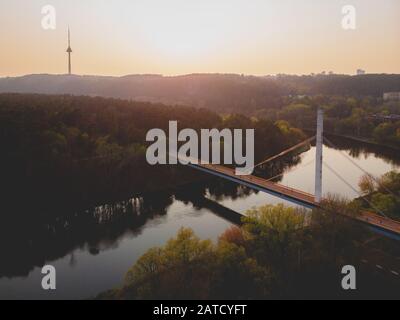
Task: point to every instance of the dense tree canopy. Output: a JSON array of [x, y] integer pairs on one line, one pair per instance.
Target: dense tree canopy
[[68, 150], [362, 117]]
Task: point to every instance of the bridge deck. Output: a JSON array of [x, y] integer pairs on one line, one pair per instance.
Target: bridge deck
[[279, 189], [298, 196]]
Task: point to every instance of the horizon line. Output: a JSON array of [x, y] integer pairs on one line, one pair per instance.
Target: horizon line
[[195, 73]]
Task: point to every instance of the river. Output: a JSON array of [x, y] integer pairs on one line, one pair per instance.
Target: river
[[93, 250]]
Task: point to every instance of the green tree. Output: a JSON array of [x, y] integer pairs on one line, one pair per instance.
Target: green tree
[[238, 276], [332, 228], [367, 184], [274, 232], [390, 182], [190, 268], [383, 132], [173, 271], [385, 203]]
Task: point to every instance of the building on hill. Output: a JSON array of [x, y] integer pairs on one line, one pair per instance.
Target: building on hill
[[360, 72], [391, 96], [382, 117]]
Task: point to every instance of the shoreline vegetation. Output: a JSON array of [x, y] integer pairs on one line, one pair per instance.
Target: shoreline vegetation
[[381, 194], [358, 139], [279, 252], [365, 140]]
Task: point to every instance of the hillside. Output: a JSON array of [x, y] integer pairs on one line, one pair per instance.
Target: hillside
[[218, 92]]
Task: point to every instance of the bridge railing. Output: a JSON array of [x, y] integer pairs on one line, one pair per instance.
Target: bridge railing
[[261, 181]]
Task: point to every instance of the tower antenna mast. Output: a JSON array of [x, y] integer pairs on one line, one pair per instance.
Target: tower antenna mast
[[69, 51]]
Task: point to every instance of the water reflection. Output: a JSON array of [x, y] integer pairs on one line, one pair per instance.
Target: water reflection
[[39, 240], [365, 150], [30, 243]]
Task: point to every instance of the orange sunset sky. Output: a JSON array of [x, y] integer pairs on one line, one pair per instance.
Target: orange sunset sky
[[172, 37]]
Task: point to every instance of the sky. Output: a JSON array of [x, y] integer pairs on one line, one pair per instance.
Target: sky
[[172, 37]]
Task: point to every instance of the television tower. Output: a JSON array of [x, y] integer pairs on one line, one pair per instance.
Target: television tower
[[69, 50]]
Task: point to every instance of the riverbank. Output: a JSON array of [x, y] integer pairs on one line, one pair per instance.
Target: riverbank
[[357, 139], [364, 140]]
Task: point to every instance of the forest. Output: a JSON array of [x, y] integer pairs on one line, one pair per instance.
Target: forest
[[83, 151], [354, 104], [366, 118]]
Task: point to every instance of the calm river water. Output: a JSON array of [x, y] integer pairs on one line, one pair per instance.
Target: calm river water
[[92, 251]]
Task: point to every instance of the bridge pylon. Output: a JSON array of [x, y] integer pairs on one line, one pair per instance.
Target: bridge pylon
[[318, 159]]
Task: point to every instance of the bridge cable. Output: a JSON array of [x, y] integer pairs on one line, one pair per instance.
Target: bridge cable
[[351, 187], [284, 152], [361, 168], [292, 169]]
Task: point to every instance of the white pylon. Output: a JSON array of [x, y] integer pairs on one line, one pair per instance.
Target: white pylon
[[318, 159]]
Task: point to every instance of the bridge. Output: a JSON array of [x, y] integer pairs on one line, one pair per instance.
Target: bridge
[[294, 195], [378, 223]]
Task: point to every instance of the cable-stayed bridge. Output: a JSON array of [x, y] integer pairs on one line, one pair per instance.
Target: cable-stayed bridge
[[378, 222]]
